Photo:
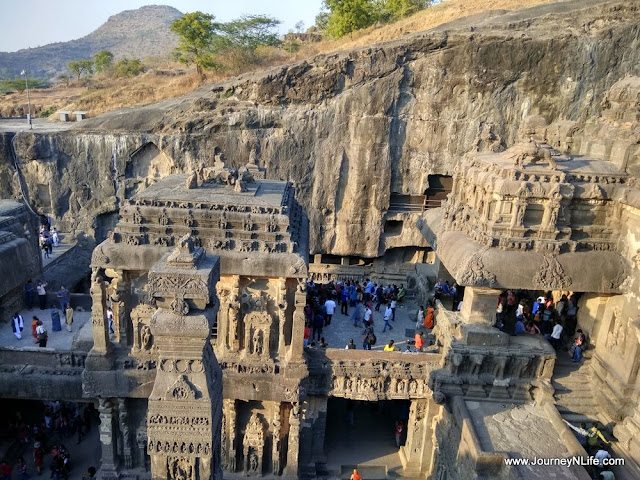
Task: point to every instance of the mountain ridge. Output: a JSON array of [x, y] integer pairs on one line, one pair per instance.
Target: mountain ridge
[[135, 33]]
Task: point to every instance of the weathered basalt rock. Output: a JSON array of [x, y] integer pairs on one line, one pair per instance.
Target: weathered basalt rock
[[349, 128]]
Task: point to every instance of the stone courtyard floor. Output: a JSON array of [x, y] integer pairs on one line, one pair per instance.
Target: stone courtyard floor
[[337, 334]]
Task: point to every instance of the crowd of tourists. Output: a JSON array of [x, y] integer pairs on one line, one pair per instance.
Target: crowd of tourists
[[40, 440], [518, 313], [39, 331], [360, 304], [48, 238]]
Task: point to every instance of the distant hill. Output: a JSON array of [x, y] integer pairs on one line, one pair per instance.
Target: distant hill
[[132, 33]]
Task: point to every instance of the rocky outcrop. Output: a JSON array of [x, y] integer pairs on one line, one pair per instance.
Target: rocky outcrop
[[349, 128]]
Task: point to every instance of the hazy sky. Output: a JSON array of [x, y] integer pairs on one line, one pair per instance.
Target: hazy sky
[[33, 23]]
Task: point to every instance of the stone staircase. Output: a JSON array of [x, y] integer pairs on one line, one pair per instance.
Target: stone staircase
[[574, 396]]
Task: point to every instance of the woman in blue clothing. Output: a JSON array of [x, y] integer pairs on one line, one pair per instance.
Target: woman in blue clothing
[[55, 319]]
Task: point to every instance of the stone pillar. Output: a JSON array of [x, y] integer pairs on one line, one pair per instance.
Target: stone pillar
[[141, 441], [479, 305], [234, 313], [228, 442], [297, 330], [276, 434], [282, 315], [101, 355], [108, 432], [416, 453], [123, 416], [222, 343], [291, 470], [119, 300]]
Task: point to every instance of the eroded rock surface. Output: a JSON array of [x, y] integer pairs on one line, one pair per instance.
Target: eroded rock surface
[[349, 128]]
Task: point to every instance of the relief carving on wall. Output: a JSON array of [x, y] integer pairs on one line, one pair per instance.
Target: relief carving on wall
[[475, 273], [551, 276]]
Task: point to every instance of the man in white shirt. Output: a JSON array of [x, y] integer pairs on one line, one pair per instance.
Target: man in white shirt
[[368, 319], [556, 334], [600, 456], [388, 313], [393, 305], [330, 305]]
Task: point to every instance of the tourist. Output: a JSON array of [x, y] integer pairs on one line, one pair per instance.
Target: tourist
[[368, 317], [594, 436], [519, 329], [393, 304], [606, 474], [390, 347], [555, 336], [537, 305], [419, 341], [29, 292], [330, 307], [43, 246], [307, 334], [399, 429], [91, 473], [429, 317], [42, 295], [63, 297], [17, 324], [420, 317], [68, 317], [353, 295], [581, 432], [22, 468], [355, 475], [42, 334], [357, 315], [318, 323], [401, 293], [109, 314], [38, 456], [350, 345], [601, 455], [387, 317], [344, 301], [369, 288], [578, 345], [379, 297], [34, 325], [408, 349], [54, 237], [5, 470], [55, 319], [369, 338], [322, 343], [531, 328]]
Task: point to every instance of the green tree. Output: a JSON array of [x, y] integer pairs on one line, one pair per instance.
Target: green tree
[[347, 16], [103, 60], [322, 20], [127, 68], [248, 32], [81, 66], [392, 10], [18, 84], [196, 32]]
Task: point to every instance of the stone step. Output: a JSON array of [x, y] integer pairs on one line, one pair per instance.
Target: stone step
[[577, 418], [569, 399], [576, 409]]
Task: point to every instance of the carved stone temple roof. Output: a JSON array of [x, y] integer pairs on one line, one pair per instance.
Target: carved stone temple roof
[[532, 218], [259, 231]]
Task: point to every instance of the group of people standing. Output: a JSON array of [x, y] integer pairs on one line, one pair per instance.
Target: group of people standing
[[518, 314], [38, 330], [48, 239], [57, 422]]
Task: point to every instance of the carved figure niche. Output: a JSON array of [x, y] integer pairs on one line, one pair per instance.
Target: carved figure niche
[[258, 334], [142, 337], [253, 446]]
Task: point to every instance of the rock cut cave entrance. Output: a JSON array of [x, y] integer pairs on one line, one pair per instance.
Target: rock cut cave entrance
[[362, 433]]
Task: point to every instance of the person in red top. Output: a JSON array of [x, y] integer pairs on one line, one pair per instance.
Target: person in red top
[[419, 341], [399, 430], [307, 334], [355, 475], [429, 317], [38, 456]]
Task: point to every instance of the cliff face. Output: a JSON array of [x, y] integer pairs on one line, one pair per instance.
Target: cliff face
[[351, 128]]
